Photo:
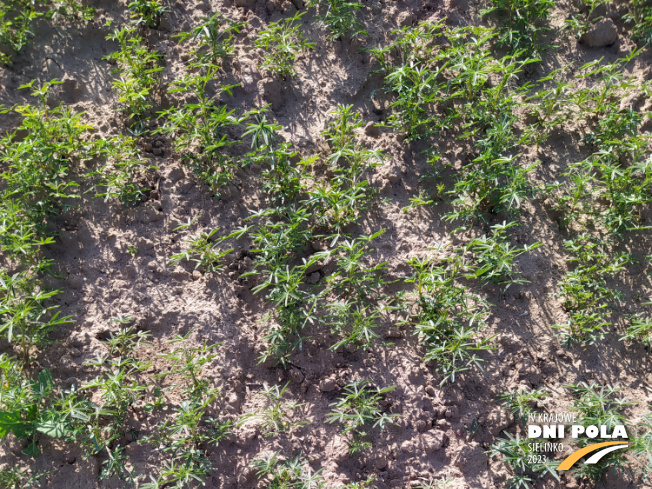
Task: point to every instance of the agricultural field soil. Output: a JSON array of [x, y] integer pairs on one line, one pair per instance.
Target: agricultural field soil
[[111, 260]]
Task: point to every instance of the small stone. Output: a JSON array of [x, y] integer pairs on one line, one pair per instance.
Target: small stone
[[313, 278], [602, 34], [372, 130], [434, 441], [327, 385], [53, 69], [250, 77], [176, 174], [70, 90], [270, 89], [295, 375], [245, 3], [405, 19], [392, 178]]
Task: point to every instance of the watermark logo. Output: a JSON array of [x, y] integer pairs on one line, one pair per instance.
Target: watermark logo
[[557, 426]]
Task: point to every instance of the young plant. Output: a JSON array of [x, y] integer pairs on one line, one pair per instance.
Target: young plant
[[137, 69], [39, 165], [37, 184], [191, 431], [213, 39], [639, 330], [434, 483], [584, 290], [117, 388], [73, 10], [31, 408], [203, 249], [147, 12], [358, 410], [282, 41], [641, 444], [495, 256], [339, 202], [549, 104], [16, 18], [340, 17], [291, 473], [276, 416], [121, 176], [200, 129], [526, 23], [639, 18], [518, 453], [20, 478], [25, 318], [581, 22], [358, 287], [599, 406], [447, 317], [519, 402]]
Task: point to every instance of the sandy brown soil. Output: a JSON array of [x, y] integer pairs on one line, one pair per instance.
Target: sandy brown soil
[[101, 279]]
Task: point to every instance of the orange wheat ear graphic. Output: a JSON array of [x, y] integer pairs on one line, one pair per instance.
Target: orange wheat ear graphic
[[608, 446]]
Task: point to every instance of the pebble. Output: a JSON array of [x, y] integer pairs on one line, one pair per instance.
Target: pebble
[[602, 34], [327, 385]]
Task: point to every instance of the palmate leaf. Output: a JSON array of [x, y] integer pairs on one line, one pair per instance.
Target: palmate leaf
[[13, 421], [56, 427]]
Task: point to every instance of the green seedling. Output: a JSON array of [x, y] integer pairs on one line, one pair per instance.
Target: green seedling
[[358, 410], [281, 42], [20, 478], [517, 452], [581, 22], [639, 17], [584, 291], [599, 405], [204, 251], [339, 202], [519, 403], [339, 16], [38, 159], [199, 129], [525, 23], [550, 104], [495, 256], [74, 10], [25, 319], [147, 12], [118, 388], [280, 473], [639, 330], [120, 177], [31, 408], [448, 318], [213, 39], [137, 70], [434, 483], [16, 18], [191, 431], [276, 416]]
